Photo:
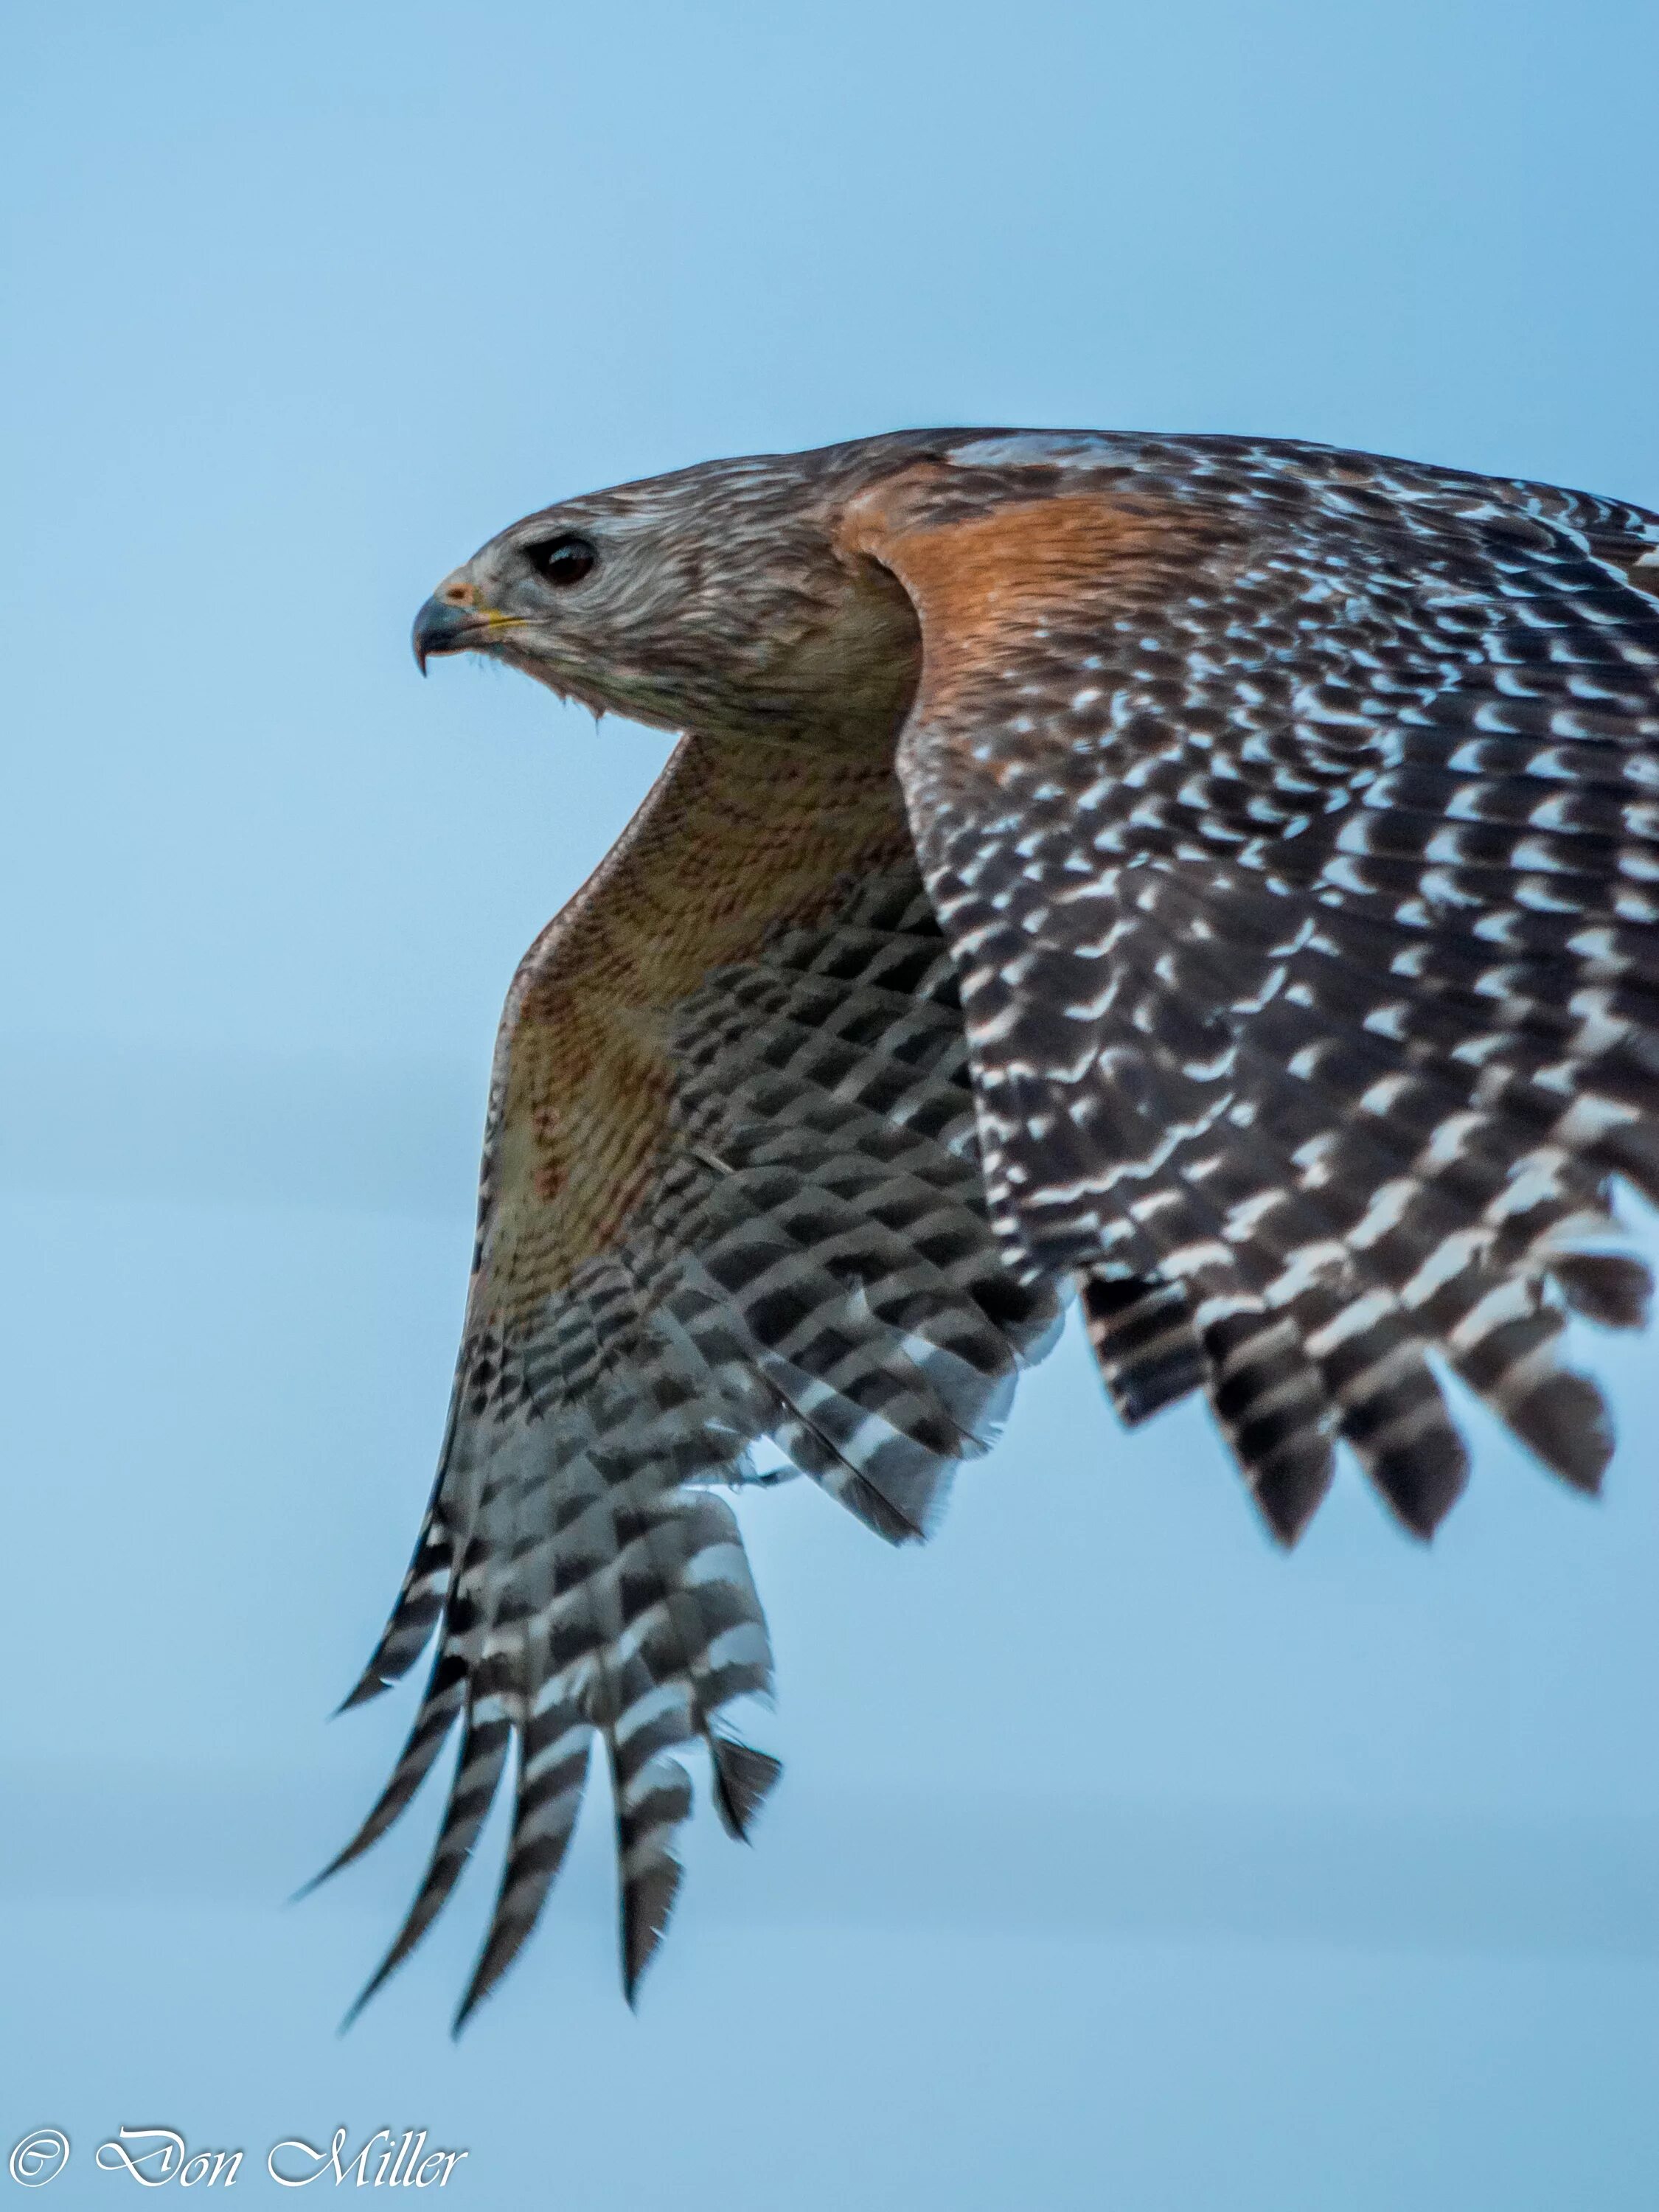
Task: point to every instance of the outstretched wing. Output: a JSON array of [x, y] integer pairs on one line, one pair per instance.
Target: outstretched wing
[[1294, 817], [730, 1192]]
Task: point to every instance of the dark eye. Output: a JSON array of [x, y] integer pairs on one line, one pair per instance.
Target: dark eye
[[561, 561]]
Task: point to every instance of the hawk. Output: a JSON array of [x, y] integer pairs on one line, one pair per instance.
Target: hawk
[[1217, 877]]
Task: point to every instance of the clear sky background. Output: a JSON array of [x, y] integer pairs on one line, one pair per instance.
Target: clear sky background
[[1121, 1862]]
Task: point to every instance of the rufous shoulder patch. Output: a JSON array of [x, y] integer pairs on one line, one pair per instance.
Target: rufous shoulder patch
[[988, 565]]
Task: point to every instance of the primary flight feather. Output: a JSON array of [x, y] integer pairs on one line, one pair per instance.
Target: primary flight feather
[[1217, 875]]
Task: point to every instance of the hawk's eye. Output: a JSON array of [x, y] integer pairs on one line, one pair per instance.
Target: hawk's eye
[[561, 561]]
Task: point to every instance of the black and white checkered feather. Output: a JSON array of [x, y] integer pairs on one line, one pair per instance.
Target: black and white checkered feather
[[1303, 864], [815, 1267]]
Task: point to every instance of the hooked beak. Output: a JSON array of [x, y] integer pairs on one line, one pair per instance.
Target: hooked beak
[[443, 627]]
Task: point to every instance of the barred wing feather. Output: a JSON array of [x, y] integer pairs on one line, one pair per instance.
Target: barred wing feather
[[1294, 816], [731, 1192]]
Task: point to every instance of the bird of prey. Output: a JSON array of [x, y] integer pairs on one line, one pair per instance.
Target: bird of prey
[[1214, 876]]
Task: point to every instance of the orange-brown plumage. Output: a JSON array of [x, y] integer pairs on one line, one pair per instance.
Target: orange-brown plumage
[[981, 582], [726, 850]]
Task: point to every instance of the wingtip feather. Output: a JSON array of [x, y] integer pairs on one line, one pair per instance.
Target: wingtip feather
[[744, 1778], [649, 1899]]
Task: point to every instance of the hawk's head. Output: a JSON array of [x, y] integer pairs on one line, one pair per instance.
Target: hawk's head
[[713, 600]]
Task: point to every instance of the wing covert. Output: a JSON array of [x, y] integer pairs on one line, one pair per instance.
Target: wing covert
[[1294, 817]]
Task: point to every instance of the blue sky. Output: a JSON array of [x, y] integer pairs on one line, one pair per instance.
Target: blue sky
[[1120, 1861]]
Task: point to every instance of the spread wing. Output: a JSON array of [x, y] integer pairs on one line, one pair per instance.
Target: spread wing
[[730, 1192], [1294, 817]]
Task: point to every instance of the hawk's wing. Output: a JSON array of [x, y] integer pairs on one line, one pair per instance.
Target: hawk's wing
[[1294, 819], [730, 1192]]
